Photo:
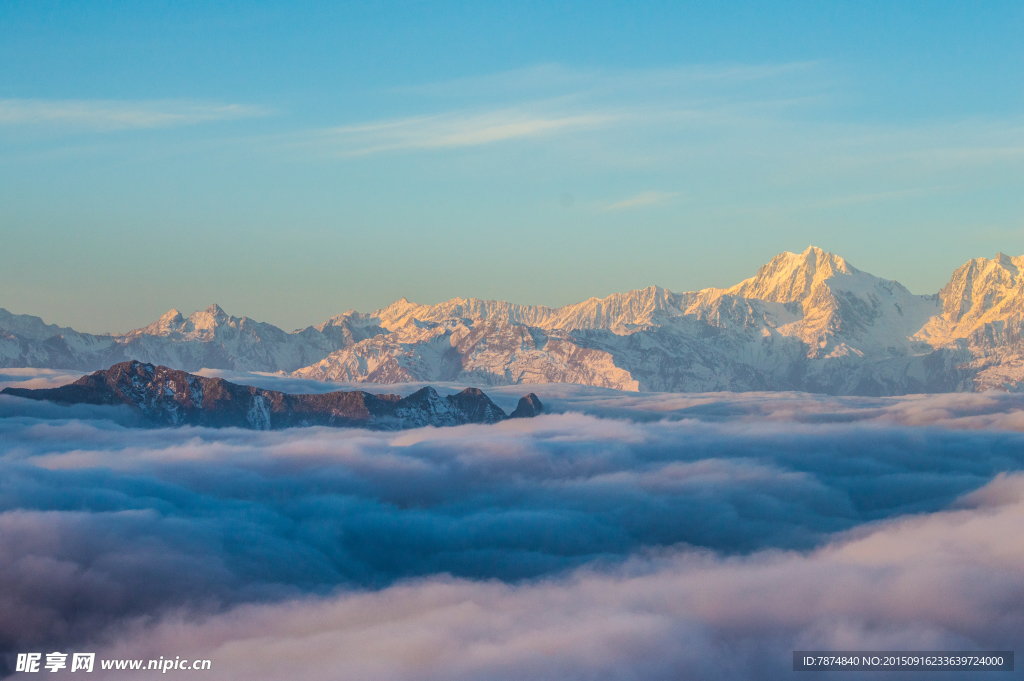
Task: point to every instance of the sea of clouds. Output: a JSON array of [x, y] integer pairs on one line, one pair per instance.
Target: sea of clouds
[[619, 536]]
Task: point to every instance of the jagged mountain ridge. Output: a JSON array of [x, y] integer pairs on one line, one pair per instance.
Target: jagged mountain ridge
[[816, 324], [208, 338], [168, 397], [805, 321]]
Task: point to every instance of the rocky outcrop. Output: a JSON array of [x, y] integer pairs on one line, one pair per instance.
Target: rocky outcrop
[[168, 397], [528, 407]]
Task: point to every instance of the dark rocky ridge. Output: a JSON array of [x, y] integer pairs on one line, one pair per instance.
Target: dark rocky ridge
[[168, 397]]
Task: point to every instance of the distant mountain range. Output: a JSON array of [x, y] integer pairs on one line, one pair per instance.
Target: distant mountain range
[[168, 397], [807, 321]]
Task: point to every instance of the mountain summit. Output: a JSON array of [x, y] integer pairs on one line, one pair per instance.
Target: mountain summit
[[792, 277], [805, 321]]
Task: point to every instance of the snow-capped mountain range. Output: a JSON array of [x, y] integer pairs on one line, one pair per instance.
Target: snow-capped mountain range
[[807, 321]]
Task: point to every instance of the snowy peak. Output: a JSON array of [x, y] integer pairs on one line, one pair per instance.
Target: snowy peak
[[169, 322], [792, 277], [209, 319], [343, 319], [1008, 262], [173, 324], [982, 291]]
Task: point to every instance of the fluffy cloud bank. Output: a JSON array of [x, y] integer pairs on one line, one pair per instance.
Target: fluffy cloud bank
[[653, 536], [949, 580]]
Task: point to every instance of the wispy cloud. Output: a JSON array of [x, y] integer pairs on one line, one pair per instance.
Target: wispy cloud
[[643, 199], [552, 98], [450, 130], [118, 115]]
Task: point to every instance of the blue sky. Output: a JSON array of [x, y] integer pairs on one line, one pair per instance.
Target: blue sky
[[293, 160]]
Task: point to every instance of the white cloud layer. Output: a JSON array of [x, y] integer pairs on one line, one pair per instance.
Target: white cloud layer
[[655, 536]]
